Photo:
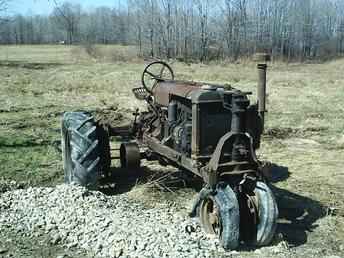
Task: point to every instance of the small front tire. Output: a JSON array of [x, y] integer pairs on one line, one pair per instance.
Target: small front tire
[[130, 155], [267, 214], [219, 214]]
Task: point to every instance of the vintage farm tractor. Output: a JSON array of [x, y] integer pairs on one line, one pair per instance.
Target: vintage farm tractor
[[210, 130]]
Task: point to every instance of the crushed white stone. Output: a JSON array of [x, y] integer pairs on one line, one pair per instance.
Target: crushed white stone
[[106, 226]]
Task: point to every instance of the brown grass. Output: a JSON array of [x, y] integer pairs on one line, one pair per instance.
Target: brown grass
[[305, 122]]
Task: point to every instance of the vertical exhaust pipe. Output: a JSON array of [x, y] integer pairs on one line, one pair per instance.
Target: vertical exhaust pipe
[[261, 87]]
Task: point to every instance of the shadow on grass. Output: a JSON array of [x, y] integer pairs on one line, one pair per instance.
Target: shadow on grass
[[297, 215], [275, 173], [26, 143], [287, 132], [25, 109], [29, 65]]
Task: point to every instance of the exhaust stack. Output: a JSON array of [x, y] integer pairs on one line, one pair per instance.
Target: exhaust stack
[[262, 59]]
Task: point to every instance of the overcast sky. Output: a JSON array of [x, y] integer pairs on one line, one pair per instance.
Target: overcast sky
[[46, 6]]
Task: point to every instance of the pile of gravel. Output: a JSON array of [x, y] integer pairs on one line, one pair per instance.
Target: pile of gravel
[[107, 226]]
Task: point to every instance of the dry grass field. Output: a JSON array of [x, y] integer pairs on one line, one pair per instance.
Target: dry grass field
[[304, 138]]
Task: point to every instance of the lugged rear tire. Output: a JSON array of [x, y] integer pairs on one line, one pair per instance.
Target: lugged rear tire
[[85, 149]]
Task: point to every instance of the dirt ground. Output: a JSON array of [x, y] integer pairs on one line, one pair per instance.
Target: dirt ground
[[303, 140]]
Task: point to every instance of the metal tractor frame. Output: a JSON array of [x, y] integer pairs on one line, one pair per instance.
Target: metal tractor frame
[[209, 130]]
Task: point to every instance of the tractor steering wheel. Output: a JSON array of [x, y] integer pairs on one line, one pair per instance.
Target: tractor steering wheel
[[155, 72]]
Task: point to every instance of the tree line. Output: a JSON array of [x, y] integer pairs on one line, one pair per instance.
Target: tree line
[[200, 30]]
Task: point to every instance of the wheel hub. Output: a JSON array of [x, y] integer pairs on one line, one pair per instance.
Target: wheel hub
[[252, 204], [210, 216]]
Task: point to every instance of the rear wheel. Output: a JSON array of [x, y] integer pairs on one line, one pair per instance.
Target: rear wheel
[[85, 149], [219, 214]]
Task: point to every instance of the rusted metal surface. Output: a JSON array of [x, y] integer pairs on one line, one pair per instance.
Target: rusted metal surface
[[178, 106], [141, 93], [163, 90], [210, 216], [261, 87]]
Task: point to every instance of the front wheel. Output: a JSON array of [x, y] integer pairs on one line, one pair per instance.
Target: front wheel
[[85, 149], [259, 214], [267, 214], [219, 214]]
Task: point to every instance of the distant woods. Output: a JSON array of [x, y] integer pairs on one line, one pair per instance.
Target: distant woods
[[193, 30]]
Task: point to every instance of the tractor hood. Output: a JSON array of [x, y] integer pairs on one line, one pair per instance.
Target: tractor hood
[[163, 91]]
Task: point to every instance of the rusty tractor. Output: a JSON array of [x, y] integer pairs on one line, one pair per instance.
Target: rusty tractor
[[209, 130]]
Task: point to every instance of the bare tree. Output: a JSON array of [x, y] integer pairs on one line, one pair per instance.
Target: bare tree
[[68, 16], [3, 5], [137, 22], [186, 32], [202, 30], [3, 9], [203, 17]]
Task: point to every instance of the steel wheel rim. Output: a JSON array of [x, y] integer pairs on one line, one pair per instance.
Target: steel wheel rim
[[210, 216], [253, 205]]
